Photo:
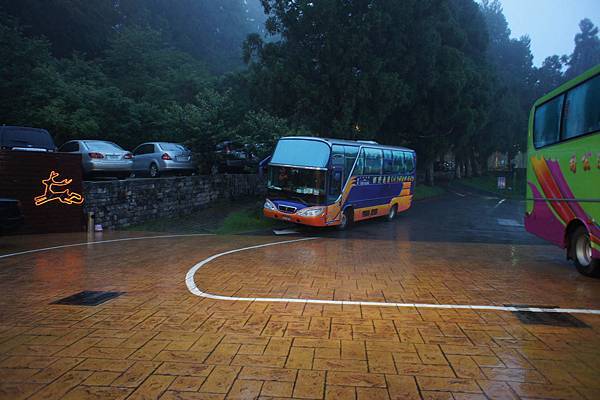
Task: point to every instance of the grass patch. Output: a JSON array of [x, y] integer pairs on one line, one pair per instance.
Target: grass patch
[[225, 217], [424, 192], [489, 183], [244, 221]]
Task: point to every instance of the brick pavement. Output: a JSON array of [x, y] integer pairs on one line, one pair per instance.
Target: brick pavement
[[159, 341]]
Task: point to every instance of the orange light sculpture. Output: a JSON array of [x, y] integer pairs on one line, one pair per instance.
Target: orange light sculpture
[[52, 191]]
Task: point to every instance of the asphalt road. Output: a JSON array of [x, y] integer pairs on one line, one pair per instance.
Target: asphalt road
[[458, 216]]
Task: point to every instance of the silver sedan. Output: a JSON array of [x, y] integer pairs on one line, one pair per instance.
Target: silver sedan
[[100, 157], [155, 158]]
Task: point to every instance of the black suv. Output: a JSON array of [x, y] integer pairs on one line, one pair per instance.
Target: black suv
[[25, 139], [234, 157]]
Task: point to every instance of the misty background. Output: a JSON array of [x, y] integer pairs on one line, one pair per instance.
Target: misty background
[[436, 75]]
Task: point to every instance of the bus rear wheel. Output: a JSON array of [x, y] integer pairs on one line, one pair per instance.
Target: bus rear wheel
[[581, 252], [346, 220]]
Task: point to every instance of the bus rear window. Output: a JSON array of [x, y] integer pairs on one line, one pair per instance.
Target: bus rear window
[[582, 109], [546, 122]]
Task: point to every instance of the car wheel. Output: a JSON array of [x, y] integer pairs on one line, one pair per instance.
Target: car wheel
[[154, 173], [581, 251], [346, 220], [393, 212]]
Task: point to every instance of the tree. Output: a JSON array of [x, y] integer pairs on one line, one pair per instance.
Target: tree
[[410, 72], [513, 94], [587, 49], [549, 76], [69, 25]]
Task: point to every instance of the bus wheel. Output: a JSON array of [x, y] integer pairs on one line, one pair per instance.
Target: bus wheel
[[346, 220], [393, 212], [581, 251]]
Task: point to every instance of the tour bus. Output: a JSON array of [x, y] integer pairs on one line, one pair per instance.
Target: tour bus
[[330, 182], [563, 174]]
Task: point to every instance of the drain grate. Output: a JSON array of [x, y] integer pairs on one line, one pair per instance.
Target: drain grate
[[546, 318], [88, 298]]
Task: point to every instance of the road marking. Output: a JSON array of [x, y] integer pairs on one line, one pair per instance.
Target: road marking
[[458, 194], [500, 202], [100, 242], [285, 231], [509, 222], [191, 285]]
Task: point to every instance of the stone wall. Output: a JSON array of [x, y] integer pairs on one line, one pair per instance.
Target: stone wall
[[118, 204]]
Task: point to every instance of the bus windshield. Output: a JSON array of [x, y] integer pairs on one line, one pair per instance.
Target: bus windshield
[[301, 153], [299, 184]]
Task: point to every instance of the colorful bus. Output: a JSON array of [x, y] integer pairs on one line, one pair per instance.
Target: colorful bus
[[563, 174], [330, 182]]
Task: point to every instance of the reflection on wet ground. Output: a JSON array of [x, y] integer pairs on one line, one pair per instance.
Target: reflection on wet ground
[[159, 340]]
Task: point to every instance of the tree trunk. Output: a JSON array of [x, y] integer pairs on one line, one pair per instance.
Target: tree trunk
[[478, 170], [457, 172], [429, 174], [469, 168]]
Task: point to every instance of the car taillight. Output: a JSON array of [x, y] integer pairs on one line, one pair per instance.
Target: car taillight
[[96, 155], [166, 157], [128, 156]]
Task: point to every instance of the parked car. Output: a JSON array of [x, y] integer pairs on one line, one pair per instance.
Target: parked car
[[156, 158], [234, 157], [11, 216], [25, 139], [101, 158]]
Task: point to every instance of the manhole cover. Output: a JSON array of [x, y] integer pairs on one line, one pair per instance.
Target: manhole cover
[[88, 298]]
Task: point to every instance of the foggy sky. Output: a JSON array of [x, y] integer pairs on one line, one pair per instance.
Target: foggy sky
[[551, 24]]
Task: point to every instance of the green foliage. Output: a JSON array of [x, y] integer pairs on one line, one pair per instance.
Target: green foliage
[[587, 50], [436, 75], [424, 192]]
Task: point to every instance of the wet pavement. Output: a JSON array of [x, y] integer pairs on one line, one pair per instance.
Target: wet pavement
[[158, 339]]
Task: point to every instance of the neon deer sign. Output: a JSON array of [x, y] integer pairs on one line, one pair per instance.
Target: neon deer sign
[[52, 191]]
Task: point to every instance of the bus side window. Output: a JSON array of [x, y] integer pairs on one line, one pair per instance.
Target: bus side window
[[350, 153], [582, 109], [359, 169], [398, 162], [373, 161], [409, 162], [388, 162], [546, 122]]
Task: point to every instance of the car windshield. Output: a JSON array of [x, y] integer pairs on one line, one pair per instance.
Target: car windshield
[[301, 153], [172, 147], [102, 146], [26, 137], [299, 184]]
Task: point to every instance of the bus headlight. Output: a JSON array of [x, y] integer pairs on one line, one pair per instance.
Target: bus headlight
[[269, 205], [311, 212]]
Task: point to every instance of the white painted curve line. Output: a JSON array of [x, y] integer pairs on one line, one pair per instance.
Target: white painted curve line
[[64, 246], [191, 285], [499, 203], [458, 194]]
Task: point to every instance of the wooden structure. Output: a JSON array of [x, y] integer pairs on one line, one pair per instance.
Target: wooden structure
[[49, 186]]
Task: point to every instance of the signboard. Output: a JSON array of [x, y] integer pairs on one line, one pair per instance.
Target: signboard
[[49, 186], [502, 182]]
